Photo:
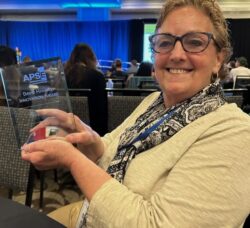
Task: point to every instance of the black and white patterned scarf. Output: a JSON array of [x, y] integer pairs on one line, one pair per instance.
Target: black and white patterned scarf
[[179, 116], [204, 102]]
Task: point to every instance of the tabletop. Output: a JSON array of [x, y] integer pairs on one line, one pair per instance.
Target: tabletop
[[16, 215]]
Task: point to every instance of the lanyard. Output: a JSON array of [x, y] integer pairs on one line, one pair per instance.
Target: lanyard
[[148, 131]]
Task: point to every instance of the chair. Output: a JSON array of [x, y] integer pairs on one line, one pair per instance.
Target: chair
[[15, 174], [148, 84], [115, 82], [119, 82], [241, 81], [78, 104], [235, 99], [80, 108], [119, 108], [79, 92], [135, 81]]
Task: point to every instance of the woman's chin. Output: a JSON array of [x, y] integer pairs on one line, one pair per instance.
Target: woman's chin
[[175, 89]]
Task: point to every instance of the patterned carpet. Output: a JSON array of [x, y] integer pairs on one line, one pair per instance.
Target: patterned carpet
[[56, 195]]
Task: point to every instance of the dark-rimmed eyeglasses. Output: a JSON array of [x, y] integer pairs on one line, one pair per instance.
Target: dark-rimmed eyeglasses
[[193, 42]]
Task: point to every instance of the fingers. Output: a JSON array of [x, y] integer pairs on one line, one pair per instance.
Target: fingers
[[82, 137], [34, 146], [25, 155], [37, 159], [59, 114], [85, 136], [42, 145], [54, 149], [46, 154], [62, 119], [34, 158], [56, 117], [80, 126], [50, 121]]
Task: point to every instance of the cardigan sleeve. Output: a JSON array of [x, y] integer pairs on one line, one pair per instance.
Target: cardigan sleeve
[[209, 186]]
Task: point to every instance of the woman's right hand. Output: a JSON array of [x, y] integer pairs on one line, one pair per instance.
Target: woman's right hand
[[87, 140]]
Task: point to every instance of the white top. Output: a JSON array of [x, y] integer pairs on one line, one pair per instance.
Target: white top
[[239, 71]]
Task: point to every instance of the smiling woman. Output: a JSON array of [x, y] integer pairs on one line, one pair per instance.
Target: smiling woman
[[192, 55], [181, 159]]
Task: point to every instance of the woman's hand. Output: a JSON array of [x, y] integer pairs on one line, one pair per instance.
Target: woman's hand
[[50, 153], [56, 117], [87, 140], [57, 152]]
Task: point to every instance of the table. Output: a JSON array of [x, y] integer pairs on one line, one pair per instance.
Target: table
[[130, 91], [234, 92], [16, 215]]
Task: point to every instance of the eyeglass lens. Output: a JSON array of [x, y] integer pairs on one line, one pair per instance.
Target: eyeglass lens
[[191, 42]]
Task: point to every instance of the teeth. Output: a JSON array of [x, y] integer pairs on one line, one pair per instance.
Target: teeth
[[177, 71]]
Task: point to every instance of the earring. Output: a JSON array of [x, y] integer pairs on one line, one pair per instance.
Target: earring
[[215, 77]]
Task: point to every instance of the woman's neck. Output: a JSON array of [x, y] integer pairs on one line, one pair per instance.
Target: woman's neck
[[170, 101], [173, 99]]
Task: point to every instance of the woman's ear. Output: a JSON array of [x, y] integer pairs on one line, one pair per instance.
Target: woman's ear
[[220, 58]]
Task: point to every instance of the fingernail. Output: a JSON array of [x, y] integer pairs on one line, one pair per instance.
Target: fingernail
[[24, 147]]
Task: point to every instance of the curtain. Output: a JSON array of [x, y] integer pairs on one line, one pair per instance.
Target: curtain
[[109, 39], [3, 33], [240, 36], [39, 40]]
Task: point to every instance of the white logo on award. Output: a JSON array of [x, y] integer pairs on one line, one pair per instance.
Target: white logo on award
[[36, 78]]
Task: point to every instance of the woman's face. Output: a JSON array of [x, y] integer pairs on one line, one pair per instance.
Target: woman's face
[[179, 73]]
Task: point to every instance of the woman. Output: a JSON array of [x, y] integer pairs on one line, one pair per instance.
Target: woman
[[145, 69], [190, 166], [12, 80], [7, 58], [81, 73]]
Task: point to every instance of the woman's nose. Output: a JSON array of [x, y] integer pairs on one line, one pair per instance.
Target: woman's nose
[[178, 52]]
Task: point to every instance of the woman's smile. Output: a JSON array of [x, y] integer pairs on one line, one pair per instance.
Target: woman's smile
[[178, 70]]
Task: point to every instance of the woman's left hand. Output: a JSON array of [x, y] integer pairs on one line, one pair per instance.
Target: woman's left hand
[[50, 153], [57, 152]]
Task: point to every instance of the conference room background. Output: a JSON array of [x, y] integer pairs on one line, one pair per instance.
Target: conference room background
[[109, 39]]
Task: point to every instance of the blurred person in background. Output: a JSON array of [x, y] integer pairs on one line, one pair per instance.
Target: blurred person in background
[[133, 67], [231, 65], [118, 72], [145, 69], [112, 68], [82, 73], [14, 81], [7, 58], [227, 82], [241, 69], [27, 59]]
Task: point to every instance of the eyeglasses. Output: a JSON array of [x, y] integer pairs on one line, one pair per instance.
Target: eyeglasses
[[193, 42]]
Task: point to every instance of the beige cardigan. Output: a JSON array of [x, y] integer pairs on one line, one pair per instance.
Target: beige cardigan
[[198, 178]]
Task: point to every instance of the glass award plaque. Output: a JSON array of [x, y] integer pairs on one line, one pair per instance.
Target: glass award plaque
[[32, 86]]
